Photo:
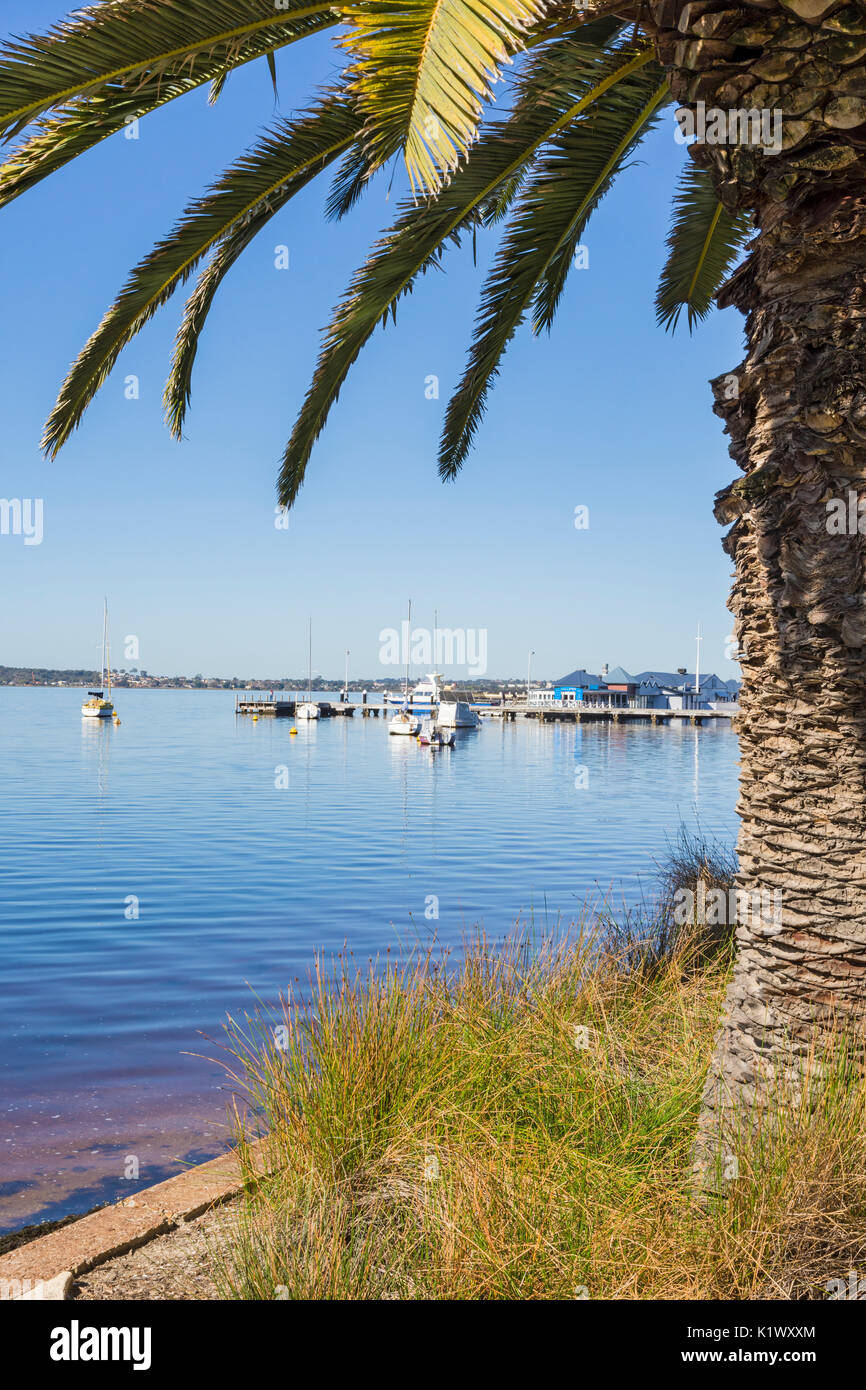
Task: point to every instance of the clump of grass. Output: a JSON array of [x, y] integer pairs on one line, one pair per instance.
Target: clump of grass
[[793, 1216], [655, 932], [520, 1123], [694, 858], [693, 855]]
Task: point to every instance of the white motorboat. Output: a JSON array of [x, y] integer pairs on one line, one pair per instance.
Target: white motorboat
[[456, 714], [423, 699], [97, 706], [432, 736]]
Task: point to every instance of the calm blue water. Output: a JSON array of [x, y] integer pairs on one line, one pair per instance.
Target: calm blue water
[[239, 881]]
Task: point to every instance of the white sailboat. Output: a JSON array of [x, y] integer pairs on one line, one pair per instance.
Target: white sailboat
[[97, 706], [309, 709], [405, 722]]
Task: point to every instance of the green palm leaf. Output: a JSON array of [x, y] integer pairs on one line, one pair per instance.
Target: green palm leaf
[[422, 70], [350, 182], [75, 127], [124, 42], [263, 180], [533, 83], [178, 388], [418, 238], [702, 246], [231, 247], [549, 218], [217, 84]]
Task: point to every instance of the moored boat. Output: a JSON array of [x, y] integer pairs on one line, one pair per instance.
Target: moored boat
[[423, 699], [309, 709], [98, 706], [456, 714], [404, 723], [431, 735]]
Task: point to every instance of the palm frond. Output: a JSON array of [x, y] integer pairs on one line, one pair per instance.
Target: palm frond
[[283, 161], [349, 182], [702, 246], [76, 126], [231, 247], [561, 82], [548, 220], [594, 154], [532, 85], [219, 82], [424, 68], [272, 69], [217, 85], [178, 388], [120, 44]]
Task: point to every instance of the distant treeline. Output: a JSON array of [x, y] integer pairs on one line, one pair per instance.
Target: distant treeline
[[28, 675]]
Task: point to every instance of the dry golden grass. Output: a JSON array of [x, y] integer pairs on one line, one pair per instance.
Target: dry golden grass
[[520, 1123]]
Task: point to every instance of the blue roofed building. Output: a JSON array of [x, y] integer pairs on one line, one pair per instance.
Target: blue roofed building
[[616, 688]]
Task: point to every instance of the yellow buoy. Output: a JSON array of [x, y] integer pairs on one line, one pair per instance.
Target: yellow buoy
[[293, 731], [255, 717]]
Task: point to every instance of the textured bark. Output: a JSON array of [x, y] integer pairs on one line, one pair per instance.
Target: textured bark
[[797, 428]]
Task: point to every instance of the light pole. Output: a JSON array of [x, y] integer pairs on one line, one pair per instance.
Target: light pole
[[528, 670]]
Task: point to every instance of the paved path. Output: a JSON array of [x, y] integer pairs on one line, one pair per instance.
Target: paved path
[[175, 1266]]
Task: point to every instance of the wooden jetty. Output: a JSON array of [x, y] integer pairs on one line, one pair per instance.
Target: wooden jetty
[[285, 709], [277, 709], [575, 714]]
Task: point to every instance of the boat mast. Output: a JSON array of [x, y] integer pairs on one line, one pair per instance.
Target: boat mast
[[107, 648], [104, 632], [310, 673], [408, 644]]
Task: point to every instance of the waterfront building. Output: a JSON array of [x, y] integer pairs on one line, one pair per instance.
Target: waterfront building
[[616, 688]]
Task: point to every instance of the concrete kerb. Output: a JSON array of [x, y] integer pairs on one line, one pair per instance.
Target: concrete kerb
[[46, 1267]]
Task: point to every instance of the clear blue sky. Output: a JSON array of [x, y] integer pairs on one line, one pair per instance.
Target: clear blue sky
[[608, 412]]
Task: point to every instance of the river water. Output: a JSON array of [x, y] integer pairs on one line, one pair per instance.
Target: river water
[[159, 875]]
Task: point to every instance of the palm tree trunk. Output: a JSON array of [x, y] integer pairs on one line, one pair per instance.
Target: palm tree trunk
[[798, 431], [795, 412]]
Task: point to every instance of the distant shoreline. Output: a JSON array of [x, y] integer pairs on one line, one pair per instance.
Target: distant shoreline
[[38, 680]]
